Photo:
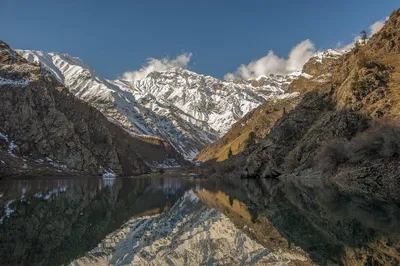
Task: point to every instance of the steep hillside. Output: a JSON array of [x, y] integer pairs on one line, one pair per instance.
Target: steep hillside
[[186, 109], [247, 131], [254, 126], [45, 129], [345, 128]]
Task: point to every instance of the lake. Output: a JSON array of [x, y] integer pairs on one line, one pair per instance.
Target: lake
[[188, 221]]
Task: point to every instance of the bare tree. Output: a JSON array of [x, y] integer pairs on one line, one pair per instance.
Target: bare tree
[[230, 153], [364, 36]]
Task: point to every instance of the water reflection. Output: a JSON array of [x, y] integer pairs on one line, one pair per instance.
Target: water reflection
[[332, 226], [52, 222]]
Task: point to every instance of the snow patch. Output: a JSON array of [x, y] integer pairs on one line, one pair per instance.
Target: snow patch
[[7, 210], [307, 76], [109, 174], [58, 165], [11, 144], [191, 196], [53, 192], [19, 82], [329, 54]]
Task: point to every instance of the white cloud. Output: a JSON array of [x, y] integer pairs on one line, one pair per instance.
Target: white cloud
[[377, 26], [272, 64], [374, 28], [351, 45], [157, 65]]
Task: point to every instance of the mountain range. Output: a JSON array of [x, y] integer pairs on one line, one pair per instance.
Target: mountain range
[[186, 109], [169, 116]]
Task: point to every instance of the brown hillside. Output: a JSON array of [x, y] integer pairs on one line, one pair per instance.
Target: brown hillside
[[247, 131]]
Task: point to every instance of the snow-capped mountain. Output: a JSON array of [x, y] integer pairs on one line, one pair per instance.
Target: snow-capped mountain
[[186, 109]]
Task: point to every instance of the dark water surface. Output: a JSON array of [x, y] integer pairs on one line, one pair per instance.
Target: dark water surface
[[177, 221]]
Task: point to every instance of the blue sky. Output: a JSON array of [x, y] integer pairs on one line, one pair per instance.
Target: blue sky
[[117, 36]]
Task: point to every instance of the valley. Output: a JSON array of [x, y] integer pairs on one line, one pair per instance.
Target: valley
[[290, 160]]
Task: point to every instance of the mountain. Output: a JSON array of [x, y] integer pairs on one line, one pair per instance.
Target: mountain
[[256, 124], [118, 105], [44, 129], [186, 109], [343, 129]]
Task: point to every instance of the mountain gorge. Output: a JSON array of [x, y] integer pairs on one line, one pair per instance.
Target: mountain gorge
[[183, 108], [272, 124]]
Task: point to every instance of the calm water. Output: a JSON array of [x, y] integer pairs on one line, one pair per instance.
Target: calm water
[[175, 221]]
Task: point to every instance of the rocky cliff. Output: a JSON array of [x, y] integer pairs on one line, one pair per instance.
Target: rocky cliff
[[45, 129]]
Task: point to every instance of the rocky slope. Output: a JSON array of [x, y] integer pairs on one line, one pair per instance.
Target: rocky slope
[[45, 129], [255, 125], [186, 109], [345, 128]]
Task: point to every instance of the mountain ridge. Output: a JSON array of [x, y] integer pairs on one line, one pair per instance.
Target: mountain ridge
[[186, 109]]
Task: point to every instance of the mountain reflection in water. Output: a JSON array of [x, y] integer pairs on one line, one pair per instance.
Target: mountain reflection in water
[[179, 221]]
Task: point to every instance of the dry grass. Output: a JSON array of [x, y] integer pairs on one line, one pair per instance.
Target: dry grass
[[259, 121]]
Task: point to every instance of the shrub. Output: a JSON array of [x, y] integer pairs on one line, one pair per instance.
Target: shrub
[[377, 143], [372, 144], [331, 155]]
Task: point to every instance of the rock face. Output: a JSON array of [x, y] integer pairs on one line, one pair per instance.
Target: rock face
[[344, 128], [43, 124], [186, 109]]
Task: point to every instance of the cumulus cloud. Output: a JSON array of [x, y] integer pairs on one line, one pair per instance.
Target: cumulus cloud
[[272, 64], [157, 65]]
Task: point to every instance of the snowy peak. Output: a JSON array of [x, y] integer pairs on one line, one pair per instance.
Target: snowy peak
[[186, 109], [212, 102], [328, 54]]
